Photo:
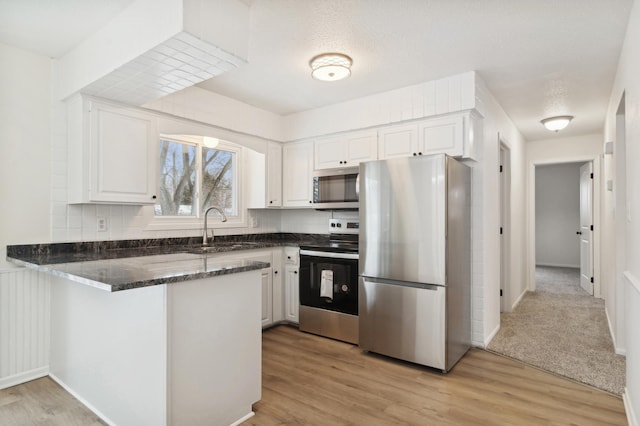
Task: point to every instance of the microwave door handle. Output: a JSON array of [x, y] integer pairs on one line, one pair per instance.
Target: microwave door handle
[[358, 186]]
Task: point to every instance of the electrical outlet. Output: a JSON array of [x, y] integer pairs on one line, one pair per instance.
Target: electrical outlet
[[101, 224], [254, 222]]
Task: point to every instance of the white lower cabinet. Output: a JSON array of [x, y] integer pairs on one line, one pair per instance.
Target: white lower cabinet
[[278, 286], [291, 280], [291, 298]]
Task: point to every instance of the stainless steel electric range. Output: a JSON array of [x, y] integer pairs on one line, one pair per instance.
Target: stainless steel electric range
[[329, 283]]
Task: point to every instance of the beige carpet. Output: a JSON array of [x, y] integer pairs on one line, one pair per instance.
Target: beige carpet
[[562, 329]]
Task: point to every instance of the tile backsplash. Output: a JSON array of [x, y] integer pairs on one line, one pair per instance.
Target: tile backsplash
[[76, 222]]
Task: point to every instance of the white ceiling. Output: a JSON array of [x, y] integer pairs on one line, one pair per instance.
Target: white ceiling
[[538, 57]]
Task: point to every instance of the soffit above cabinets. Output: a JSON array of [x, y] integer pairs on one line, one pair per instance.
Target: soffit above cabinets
[[178, 63], [147, 52]]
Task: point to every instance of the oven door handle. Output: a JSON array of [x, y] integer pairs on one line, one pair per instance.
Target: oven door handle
[[330, 254]]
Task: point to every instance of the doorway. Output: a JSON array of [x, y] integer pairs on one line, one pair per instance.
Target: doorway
[[558, 326], [564, 218], [536, 254]]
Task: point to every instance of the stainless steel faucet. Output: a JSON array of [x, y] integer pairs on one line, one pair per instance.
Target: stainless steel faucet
[[223, 218]]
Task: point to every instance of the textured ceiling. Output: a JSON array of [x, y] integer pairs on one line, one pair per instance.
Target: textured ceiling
[[53, 27], [538, 57]]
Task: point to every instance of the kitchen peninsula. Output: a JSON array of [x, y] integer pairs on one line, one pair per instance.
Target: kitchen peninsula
[[153, 336]]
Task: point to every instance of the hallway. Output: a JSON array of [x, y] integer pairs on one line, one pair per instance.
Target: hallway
[[561, 329]]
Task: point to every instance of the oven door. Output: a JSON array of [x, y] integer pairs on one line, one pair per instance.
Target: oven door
[[329, 281]]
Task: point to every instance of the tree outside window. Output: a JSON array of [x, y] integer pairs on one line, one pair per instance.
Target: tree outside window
[[194, 177]]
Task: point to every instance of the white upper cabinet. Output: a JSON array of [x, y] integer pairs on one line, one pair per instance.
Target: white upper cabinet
[[347, 150], [274, 175], [453, 134], [398, 141], [297, 174], [112, 153], [440, 135]]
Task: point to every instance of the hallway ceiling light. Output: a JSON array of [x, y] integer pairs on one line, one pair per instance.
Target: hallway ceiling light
[[557, 123], [330, 66]]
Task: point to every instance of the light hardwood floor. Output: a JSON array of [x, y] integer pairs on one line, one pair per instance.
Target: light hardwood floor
[[43, 402], [310, 380]]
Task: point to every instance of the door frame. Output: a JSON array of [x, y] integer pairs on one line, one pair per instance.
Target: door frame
[[586, 282], [531, 216], [505, 225]]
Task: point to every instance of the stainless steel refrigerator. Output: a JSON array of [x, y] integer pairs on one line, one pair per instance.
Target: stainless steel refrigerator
[[415, 259]]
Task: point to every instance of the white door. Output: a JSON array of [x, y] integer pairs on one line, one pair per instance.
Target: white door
[[586, 228]]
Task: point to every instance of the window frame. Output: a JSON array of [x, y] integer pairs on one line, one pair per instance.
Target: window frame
[[197, 221]]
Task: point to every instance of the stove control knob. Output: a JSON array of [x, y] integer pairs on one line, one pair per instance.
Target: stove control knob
[[339, 225], [345, 288]]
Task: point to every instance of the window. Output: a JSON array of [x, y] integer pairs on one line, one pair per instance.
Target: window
[[194, 177]]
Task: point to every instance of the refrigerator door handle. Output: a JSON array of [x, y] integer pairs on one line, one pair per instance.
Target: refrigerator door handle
[[424, 286]]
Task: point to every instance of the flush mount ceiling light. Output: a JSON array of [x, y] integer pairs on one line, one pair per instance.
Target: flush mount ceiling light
[[330, 66], [557, 123]]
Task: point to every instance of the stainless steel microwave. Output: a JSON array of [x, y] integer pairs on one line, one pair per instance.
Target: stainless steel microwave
[[335, 189]]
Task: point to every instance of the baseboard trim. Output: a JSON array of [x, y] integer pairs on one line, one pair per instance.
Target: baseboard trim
[[26, 376], [518, 300], [618, 350], [491, 336], [243, 419], [82, 400], [632, 419]]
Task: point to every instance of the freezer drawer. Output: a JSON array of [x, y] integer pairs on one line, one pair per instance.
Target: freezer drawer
[[403, 321]]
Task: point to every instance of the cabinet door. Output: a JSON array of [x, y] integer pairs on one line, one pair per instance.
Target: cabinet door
[[362, 147], [346, 151], [123, 145], [267, 297], [278, 285], [274, 175], [330, 153], [442, 135], [292, 298], [398, 141], [297, 169]]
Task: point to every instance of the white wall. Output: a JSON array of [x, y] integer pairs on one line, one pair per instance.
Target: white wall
[[558, 215], [626, 285], [498, 128], [25, 186]]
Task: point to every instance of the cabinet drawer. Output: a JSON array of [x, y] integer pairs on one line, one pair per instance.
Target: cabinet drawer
[[291, 256]]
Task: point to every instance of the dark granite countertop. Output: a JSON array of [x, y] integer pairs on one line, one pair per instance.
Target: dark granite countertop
[[129, 264]]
